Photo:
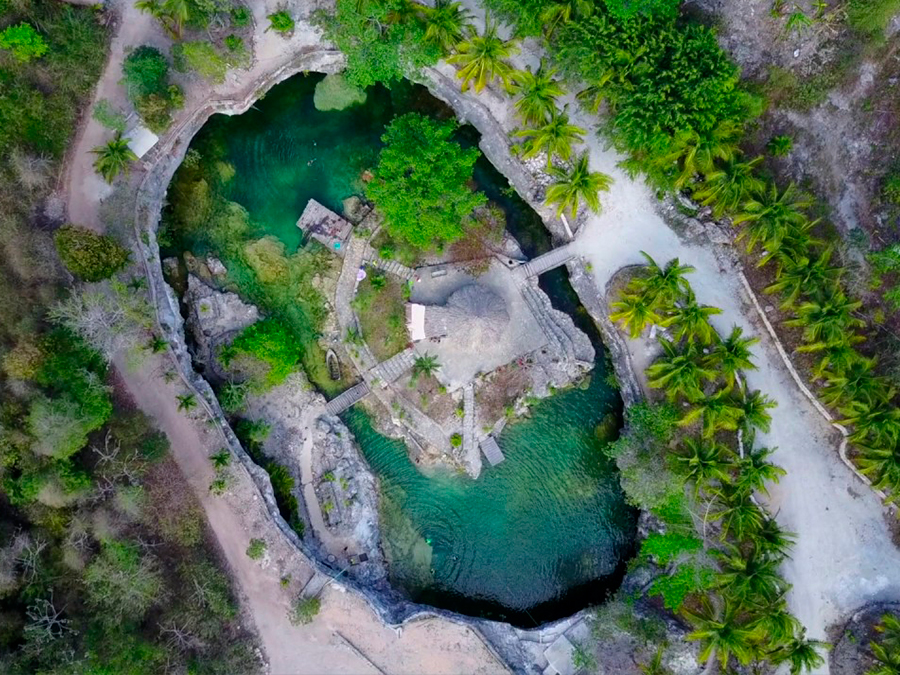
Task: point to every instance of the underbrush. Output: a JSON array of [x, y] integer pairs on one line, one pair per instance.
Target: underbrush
[[380, 306]]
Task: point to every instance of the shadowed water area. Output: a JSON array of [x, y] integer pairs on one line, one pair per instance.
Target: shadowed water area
[[546, 532]]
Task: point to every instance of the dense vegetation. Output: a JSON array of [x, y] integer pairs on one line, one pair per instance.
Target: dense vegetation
[[886, 648], [100, 538], [692, 461], [420, 183]]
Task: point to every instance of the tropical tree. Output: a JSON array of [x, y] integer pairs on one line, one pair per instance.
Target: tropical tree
[[796, 274], [186, 402], [693, 153], [882, 466], [537, 93], [635, 312], [576, 185], [887, 654], [691, 320], [749, 576], [800, 653], [424, 366], [560, 12], [717, 412], [856, 382], [755, 470], [555, 137], [655, 665], [664, 285], [770, 215], [446, 24], [771, 538], [705, 461], [754, 407], [739, 515], [721, 634], [732, 355], [836, 357], [828, 320], [113, 158], [727, 188], [680, 373], [484, 58], [877, 423]]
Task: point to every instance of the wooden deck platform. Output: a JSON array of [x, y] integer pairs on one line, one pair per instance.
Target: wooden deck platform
[[492, 451]]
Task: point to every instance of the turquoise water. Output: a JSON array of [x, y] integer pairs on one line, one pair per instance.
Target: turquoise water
[[537, 537]]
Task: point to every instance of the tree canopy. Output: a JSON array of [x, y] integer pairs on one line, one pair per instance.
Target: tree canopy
[[421, 182], [90, 256]]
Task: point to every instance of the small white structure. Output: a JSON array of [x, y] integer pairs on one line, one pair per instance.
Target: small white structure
[[141, 140]]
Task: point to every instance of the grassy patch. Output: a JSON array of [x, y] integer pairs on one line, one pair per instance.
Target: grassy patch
[[382, 316]]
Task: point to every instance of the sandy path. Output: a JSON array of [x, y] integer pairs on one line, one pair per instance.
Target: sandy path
[[844, 557], [428, 646]]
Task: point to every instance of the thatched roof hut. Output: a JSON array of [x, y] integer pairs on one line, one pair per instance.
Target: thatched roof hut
[[473, 313]]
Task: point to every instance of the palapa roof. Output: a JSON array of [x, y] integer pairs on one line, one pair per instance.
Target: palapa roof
[[473, 313]]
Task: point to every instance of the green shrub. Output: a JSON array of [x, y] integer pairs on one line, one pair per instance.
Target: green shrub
[[107, 115], [146, 72], [272, 342], [334, 92], [686, 579], [780, 146], [456, 440], [87, 255], [202, 57], [890, 191], [281, 22], [664, 548], [257, 549], [234, 43], [240, 16], [24, 42], [871, 16], [305, 610]]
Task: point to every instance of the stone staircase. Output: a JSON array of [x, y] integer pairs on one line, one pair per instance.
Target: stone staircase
[[390, 266], [569, 342], [394, 367]]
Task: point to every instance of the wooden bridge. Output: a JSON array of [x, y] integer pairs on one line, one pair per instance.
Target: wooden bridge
[[346, 399], [544, 263], [391, 369], [491, 450]]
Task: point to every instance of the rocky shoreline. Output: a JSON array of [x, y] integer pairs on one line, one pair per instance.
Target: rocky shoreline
[[521, 650]]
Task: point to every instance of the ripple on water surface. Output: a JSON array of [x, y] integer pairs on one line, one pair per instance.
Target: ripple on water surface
[[534, 538]]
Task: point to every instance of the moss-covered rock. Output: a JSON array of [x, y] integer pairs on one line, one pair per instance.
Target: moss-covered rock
[[336, 93]]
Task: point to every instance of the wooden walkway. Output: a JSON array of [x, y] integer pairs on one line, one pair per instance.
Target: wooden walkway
[[492, 451], [544, 263], [389, 370], [468, 435], [346, 399], [390, 266]]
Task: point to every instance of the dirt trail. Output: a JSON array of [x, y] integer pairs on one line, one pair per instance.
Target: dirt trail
[[430, 646]]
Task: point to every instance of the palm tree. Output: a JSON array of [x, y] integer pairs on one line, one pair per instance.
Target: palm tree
[[754, 408], [113, 158], [882, 466], [705, 462], [561, 12], [856, 382], [483, 58], [446, 24], [680, 373], [555, 137], [836, 357], [693, 153], [691, 320], [719, 411], [655, 665], [221, 459], [727, 188], [827, 321], [771, 538], [732, 355], [799, 273], [537, 94], [635, 312], [720, 632], [887, 650], [800, 653], [749, 577], [665, 285], [755, 470], [577, 185], [740, 516], [770, 215], [425, 366], [152, 7], [889, 628], [877, 423], [177, 12], [186, 402]]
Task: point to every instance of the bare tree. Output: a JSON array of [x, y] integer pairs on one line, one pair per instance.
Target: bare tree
[[30, 559], [180, 637], [45, 622]]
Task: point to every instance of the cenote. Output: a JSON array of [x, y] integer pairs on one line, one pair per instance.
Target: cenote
[[535, 538]]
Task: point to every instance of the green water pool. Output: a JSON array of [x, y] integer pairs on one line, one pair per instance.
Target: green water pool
[[537, 537]]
